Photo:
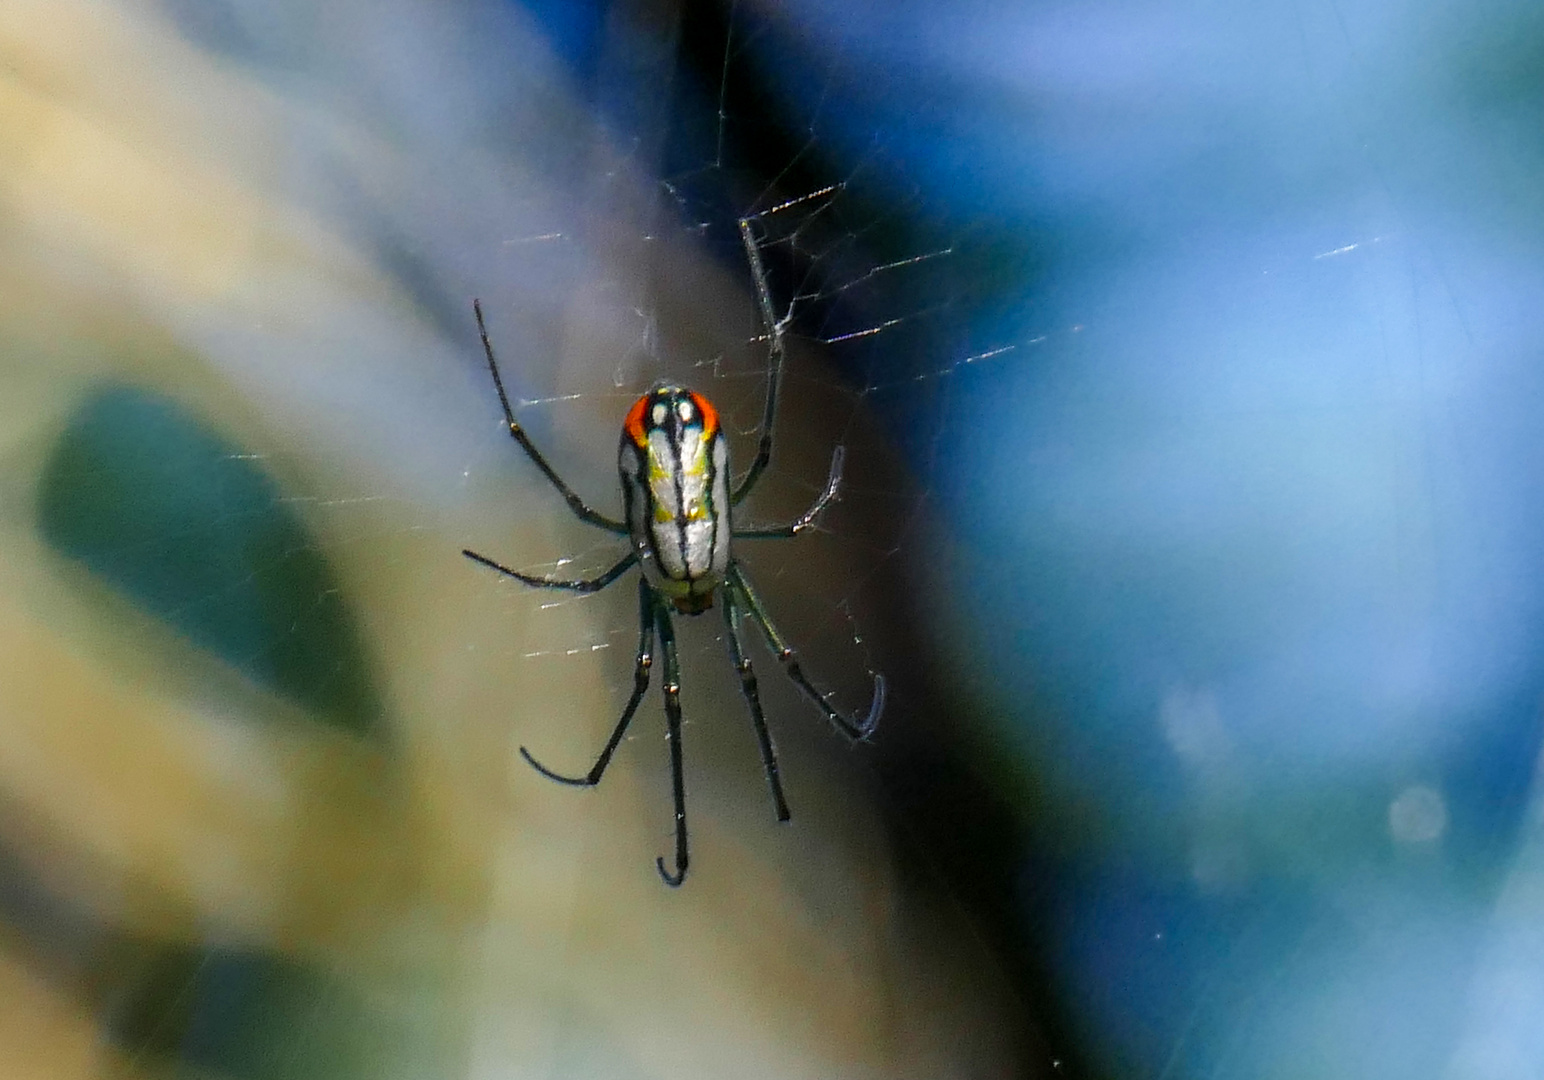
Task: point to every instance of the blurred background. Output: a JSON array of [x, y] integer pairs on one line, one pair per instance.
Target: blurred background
[[1180, 352]]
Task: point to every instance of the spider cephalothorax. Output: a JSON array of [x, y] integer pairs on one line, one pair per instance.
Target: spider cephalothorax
[[679, 500]]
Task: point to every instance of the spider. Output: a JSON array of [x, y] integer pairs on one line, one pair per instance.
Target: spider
[[679, 501]]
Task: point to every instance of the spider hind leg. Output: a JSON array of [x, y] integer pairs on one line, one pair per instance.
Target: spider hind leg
[[643, 662], [672, 689], [752, 695], [856, 729]]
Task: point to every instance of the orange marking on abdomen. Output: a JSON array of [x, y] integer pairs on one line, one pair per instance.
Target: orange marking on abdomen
[[709, 414], [633, 425]]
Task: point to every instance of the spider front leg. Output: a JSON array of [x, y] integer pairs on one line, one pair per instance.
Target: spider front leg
[[580, 508], [775, 327], [854, 729], [645, 660], [748, 687], [672, 690]]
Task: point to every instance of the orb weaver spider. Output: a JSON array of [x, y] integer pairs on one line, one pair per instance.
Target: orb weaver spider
[[678, 499]]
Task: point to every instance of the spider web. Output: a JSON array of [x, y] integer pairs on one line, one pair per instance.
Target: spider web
[[878, 324], [262, 813], [883, 306], [875, 311], [241, 494], [865, 327]]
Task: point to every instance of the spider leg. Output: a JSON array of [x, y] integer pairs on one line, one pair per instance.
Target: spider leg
[[857, 730], [775, 328], [586, 585], [742, 664], [805, 521], [516, 432], [672, 690], [644, 661]]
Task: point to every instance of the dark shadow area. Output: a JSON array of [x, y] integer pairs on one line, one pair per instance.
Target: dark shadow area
[[154, 502], [245, 1015], [239, 1013]]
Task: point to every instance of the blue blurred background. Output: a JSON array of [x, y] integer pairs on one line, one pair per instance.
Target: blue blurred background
[[1239, 596], [1185, 355]]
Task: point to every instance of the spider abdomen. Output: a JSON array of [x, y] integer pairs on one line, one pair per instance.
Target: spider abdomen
[[674, 463]]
